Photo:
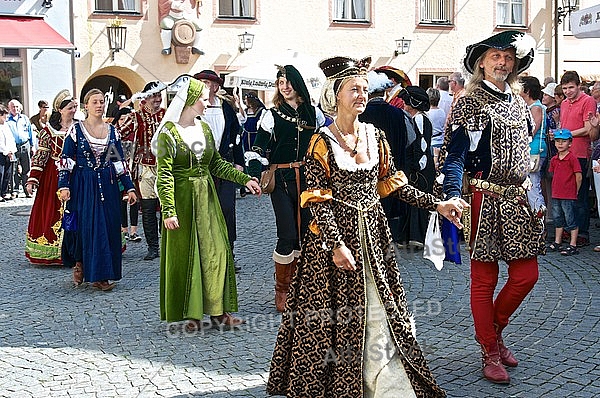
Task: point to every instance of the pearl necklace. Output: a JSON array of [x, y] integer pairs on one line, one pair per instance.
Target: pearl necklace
[[353, 151]]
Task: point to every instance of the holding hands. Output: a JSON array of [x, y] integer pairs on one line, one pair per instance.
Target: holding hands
[[452, 209], [254, 187], [173, 223]]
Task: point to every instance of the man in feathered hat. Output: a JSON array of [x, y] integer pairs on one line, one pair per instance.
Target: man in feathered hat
[[487, 142], [400, 80], [139, 127], [224, 123]]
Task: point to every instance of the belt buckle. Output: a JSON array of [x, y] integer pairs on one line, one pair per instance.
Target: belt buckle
[[511, 192]]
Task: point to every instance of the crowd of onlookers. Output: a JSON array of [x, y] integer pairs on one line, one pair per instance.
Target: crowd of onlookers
[[17, 144], [565, 127]]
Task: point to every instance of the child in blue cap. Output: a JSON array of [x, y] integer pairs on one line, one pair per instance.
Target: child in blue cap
[[566, 181]]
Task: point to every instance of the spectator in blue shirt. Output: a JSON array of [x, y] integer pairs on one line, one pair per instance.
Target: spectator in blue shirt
[[25, 139]]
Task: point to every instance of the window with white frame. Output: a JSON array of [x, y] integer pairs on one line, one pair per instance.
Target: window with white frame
[[117, 5], [510, 12], [436, 11], [236, 8], [351, 10]]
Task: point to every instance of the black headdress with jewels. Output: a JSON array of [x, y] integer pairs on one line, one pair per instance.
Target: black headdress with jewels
[[416, 97], [336, 69]]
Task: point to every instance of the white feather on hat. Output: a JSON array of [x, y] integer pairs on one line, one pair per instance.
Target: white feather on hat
[[160, 86], [523, 44]]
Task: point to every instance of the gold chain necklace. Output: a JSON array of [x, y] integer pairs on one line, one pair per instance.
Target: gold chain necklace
[[356, 134]]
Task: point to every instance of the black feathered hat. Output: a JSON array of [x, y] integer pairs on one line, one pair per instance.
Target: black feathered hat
[[523, 44]]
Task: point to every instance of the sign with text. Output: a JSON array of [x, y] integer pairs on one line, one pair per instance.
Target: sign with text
[[586, 23]]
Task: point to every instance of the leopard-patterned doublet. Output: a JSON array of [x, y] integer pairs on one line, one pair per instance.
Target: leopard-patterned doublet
[[508, 229]]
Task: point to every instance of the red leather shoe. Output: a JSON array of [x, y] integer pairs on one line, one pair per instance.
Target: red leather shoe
[[507, 357], [493, 369], [226, 320]]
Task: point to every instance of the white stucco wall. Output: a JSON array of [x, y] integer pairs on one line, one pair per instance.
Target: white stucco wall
[[46, 71], [305, 26]]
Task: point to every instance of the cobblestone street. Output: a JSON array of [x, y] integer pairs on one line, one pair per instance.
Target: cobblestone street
[[57, 340]]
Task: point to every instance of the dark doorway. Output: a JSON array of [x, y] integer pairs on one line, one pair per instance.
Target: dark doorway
[[112, 88]]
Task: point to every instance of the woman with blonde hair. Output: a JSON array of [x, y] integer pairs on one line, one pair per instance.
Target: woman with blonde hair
[[91, 167], [346, 330]]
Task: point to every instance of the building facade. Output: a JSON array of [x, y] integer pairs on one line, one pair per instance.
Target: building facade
[[36, 54], [206, 35]]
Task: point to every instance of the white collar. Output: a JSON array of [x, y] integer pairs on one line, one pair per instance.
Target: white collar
[[507, 89]]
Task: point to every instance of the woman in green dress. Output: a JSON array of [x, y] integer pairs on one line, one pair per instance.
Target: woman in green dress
[[197, 275]]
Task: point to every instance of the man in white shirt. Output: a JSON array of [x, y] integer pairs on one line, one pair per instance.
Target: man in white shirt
[[443, 86], [26, 142], [226, 129], [7, 154]]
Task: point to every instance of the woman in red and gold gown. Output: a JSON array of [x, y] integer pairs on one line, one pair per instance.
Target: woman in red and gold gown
[[44, 233]]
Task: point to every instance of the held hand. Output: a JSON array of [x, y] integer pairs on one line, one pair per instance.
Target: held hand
[[452, 210], [131, 197], [596, 169], [29, 188], [171, 223], [254, 187], [238, 167], [343, 258], [64, 195]]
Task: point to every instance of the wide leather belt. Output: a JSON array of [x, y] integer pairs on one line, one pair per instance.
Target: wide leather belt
[[510, 192]]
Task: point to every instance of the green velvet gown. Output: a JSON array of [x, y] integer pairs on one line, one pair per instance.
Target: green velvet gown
[[197, 274]]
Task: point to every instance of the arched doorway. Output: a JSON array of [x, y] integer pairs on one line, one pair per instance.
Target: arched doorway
[[112, 87], [114, 81]]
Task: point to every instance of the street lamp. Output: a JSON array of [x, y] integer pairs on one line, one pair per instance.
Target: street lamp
[[402, 46], [117, 35], [559, 16], [565, 10], [246, 41]]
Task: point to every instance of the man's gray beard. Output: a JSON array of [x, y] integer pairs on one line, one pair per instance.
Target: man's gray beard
[[499, 77]]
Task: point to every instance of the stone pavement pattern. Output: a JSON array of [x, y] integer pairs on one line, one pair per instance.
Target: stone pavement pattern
[[60, 341]]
